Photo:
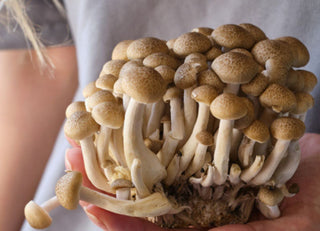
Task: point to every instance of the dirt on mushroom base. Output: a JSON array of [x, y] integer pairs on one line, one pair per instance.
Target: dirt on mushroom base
[[209, 207]]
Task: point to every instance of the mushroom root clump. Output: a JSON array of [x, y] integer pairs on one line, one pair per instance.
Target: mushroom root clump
[[187, 139]]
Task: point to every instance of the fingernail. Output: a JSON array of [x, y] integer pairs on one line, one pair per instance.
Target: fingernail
[[67, 162]]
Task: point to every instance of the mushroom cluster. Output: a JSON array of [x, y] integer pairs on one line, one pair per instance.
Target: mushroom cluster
[[194, 131]]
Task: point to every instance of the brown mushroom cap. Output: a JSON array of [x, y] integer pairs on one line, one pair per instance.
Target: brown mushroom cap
[[121, 183], [300, 53], [278, 97], [255, 31], [197, 58], [305, 101], [113, 67], [157, 59], [191, 42], [143, 47], [286, 128], [256, 86], [204, 94], [36, 216], [106, 82], [68, 188], [117, 88], [257, 131], [228, 107], [277, 71], [266, 49], [171, 93], [109, 114], [248, 118], [80, 125], [90, 89], [120, 50], [74, 107], [166, 72], [213, 53], [209, 77], [242, 51], [203, 30], [205, 138], [185, 76], [143, 84], [235, 68], [233, 36], [270, 197], [309, 80], [99, 97]]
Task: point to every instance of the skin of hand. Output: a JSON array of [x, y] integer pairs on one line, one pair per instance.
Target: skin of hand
[[301, 212], [32, 111]]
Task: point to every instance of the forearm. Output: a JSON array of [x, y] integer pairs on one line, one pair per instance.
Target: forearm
[[31, 113]]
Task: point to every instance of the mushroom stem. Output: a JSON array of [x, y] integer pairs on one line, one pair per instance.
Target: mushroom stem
[[234, 174], [93, 170], [116, 146], [232, 88], [172, 170], [210, 178], [271, 162], [123, 193], [253, 170], [125, 101], [222, 150], [236, 140], [288, 165], [136, 176], [197, 161], [50, 204], [155, 117], [103, 145], [190, 111], [168, 150], [188, 149], [245, 151], [177, 119], [270, 212], [152, 170]]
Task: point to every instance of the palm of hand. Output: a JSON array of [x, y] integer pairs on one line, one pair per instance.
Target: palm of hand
[[301, 212]]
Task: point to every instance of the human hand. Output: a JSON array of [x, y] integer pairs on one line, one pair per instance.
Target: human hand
[[301, 212]]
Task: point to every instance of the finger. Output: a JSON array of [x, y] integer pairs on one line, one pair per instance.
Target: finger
[[72, 142], [115, 222]]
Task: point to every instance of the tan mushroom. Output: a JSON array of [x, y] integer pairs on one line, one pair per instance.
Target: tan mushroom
[[198, 60], [203, 30], [97, 98], [74, 107], [284, 129], [305, 101], [268, 200], [144, 85], [156, 59], [90, 89], [256, 86], [166, 72], [143, 47], [106, 82], [209, 77], [226, 107], [276, 71], [120, 50], [233, 36], [113, 67], [255, 31], [247, 120], [234, 69], [234, 174], [81, 126], [301, 80], [69, 191], [38, 215]]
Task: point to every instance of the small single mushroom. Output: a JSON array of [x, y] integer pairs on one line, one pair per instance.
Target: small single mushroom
[[38, 215], [256, 86], [204, 95], [300, 53], [173, 95], [234, 69], [226, 107], [122, 188], [97, 98], [69, 191], [137, 179], [81, 126], [268, 200], [108, 115], [191, 42], [205, 139], [284, 129], [305, 101], [143, 47], [186, 79], [90, 89], [209, 77], [267, 49], [157, 59], [106, 82], [255, 31], [233, 36], [166, 72], [234, 174], [74, 107], [144, 85], [113, 67], [203, 30], [276, 71], [256, 132], [247, 120], [250, 172], [198, 60], [301, 80], [120, 50]]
